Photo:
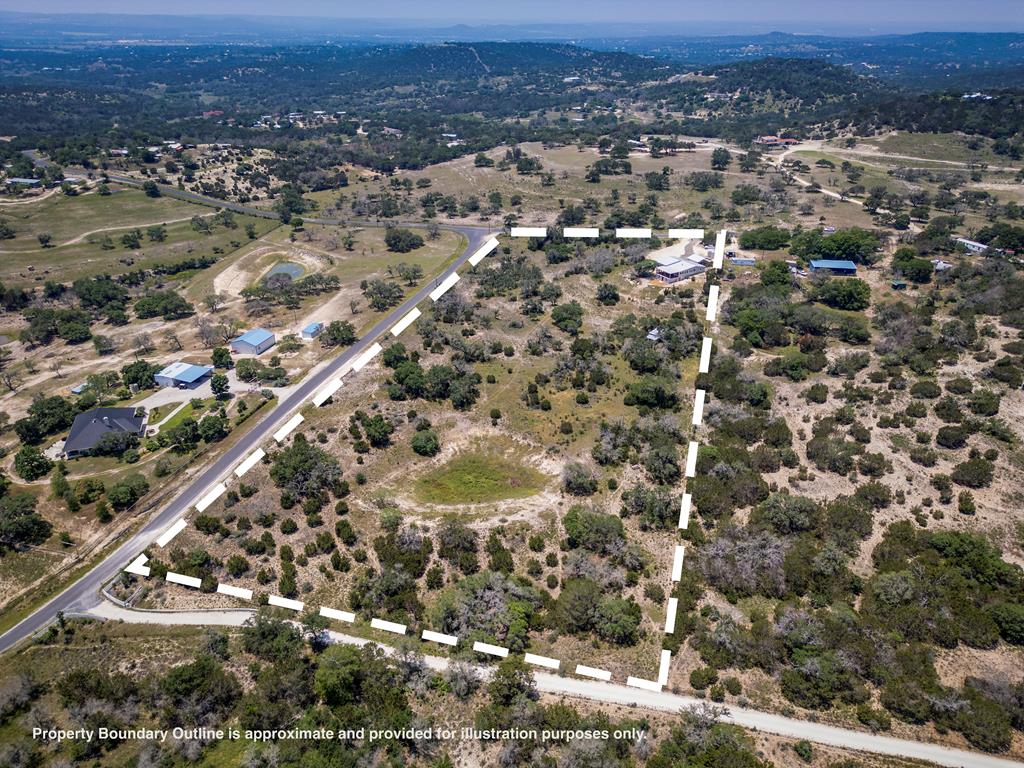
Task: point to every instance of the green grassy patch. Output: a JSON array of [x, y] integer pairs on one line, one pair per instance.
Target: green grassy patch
[[478, 476]]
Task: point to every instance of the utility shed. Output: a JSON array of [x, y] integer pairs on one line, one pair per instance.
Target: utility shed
[[835, 266], [182, 375], [253, 342]]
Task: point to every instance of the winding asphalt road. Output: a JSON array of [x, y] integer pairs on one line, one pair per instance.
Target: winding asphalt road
[[610, 693], [85, 592]]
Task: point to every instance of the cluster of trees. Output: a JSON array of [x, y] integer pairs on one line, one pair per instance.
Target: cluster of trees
[[20, 524], [456, 383]]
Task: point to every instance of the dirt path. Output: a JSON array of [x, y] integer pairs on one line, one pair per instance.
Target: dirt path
[[84, 235]]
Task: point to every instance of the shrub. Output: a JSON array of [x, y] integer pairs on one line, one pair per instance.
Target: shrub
[[974, 473], [426, 443], [703, 677], [1009, 617], [952, 436], [578, 479], [925, 390], [804, 750]]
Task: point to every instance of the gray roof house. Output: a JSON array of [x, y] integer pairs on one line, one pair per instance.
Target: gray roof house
[[90, 426]]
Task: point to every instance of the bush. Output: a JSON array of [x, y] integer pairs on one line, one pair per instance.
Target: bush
[[952, 437], [426, 443], [1009, 617], [703, 677], [578, 479], [974, 473], [875, 719], [925, 390], [804, 750]]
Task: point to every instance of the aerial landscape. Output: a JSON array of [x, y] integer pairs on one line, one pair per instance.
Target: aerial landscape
[[583, 386]]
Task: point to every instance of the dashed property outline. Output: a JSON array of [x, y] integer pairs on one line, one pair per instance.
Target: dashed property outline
[[138, 566]]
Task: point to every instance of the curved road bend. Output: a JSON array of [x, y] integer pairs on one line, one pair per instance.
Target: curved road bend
[[610, 693], [85, 592]]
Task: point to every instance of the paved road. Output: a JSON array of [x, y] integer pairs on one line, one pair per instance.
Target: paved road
[[593, 690], [84, 593]]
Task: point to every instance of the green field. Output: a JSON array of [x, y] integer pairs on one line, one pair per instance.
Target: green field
[[940, 146], [77, 226], [476, 477]]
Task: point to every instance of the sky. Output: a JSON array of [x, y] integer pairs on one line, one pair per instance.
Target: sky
[[877, 15]]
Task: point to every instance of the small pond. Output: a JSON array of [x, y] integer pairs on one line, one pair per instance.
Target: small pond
[[289, 268]]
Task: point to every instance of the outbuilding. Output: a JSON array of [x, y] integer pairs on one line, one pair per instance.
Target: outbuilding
[[311, 331], [972, 246], [834, 266], [254, 342], [182, 375]]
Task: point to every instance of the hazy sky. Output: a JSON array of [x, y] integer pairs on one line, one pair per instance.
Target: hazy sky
[[996, 15]]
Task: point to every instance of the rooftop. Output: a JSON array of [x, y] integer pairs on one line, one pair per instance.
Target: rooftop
[[256, 336], [90, 426], [185, 372], [679, 266], [833, 264], [672, 253]]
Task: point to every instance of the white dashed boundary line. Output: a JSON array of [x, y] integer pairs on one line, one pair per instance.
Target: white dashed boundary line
[[677, 562], [411, 317], [286, 430], [705, 355], [542, 661], [481, 253], [712, 304], [529, 231], [284, 602], [647, 685], [666, 661], [251, 461], [388, 626], [670, 616], [327, 392], [185, 581], [698, 407], [716, 263], [691, 459], [227, 589], [439, 637], [211, 497], [366, 357], [138, 566], [490, 650], [634, 233], [587, 232], [594, 672], [170, 533], [445, 286], [331, 613], [686, 234]]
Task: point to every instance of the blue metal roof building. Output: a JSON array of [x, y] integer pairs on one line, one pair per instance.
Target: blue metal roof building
[[182, 375], [312, 330], [835, 266], [254, 342]]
